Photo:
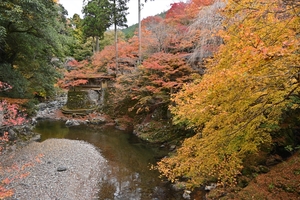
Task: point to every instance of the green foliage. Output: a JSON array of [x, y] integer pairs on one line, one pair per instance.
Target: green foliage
[[15, 79], [108, 38], [82, 50], [2, 35], [119, 12], [32, 33], [162, 15], [77, 46], [30, 107], [97, 19], [129, 32], [43, 84]]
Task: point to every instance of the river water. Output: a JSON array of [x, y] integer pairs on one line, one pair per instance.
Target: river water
[[129, 159]]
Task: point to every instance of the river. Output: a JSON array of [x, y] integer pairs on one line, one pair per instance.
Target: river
[[129, 160]]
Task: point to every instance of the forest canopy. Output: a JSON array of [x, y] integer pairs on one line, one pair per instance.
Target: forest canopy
[[31, 33]]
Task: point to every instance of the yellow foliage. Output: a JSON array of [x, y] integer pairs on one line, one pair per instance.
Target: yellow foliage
[[240, 99]]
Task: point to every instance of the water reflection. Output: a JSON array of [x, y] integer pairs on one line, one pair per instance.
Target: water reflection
[[128, 175]]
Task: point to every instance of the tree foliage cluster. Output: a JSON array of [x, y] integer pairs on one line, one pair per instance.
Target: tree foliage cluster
[[10, 115], [31, 33], [164, 68], [166, 45], [80, 46], [248, 95], [100, 15], [167, 35], [150, 87]]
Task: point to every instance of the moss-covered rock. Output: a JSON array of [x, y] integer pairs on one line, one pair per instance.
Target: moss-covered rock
[[79, 100]]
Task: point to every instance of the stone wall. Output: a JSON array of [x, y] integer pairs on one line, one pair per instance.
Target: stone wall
[[80, 100]]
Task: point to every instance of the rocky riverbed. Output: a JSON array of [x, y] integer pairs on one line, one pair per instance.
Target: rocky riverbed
[[54, 169]]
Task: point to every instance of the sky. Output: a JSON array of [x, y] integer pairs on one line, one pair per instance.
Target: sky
[[150, 8]]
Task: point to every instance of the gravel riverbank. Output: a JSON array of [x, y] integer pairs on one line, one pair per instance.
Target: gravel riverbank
[[54, 169]]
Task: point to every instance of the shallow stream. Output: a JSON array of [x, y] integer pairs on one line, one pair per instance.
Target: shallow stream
[[128, 174]]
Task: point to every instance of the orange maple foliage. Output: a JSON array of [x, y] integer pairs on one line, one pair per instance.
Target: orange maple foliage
[[19, 173], [195, 5], [177, 14], [4, 193], [151, 85], [238, 105], [128, 54], [6, 181], [167, 72], [76, 75]]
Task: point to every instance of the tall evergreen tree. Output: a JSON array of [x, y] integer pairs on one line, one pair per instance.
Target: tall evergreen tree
[[97, 19], [119, 13]]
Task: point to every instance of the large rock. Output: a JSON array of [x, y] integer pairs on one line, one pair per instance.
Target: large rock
[[48, 110], [72, 122], [100, 119], [12, 135]]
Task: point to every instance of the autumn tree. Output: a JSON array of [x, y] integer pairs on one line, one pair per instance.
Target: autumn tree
[[159, 32], [239, 104], [177, 14], [76, 75], [140, 5], [10, 115], [105, 59], [155, 80], [202, 35], [128, 54], [192, 8]]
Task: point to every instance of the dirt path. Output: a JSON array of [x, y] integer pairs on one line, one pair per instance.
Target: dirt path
[[54, 169]]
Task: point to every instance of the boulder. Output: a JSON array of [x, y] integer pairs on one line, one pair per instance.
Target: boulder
[[186, 194], [72, 122], [210, 187], [12, 135], [102, 119]]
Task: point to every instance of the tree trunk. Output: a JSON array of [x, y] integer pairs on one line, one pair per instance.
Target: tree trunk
[[94, 45], [97, 44], [116, 49], [116, 37], [140, 33]]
